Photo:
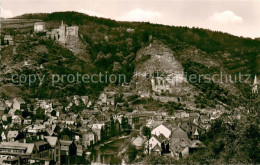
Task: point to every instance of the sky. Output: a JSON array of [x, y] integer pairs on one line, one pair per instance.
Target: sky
[[237, 17]]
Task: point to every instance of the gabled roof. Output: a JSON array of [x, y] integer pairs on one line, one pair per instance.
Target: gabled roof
[[162, 125], [19, 100], [162, 137], [196, 132], [49, 131], [139, 137], [40, 143], [52, 140], [179, 133], [12, 134], [154, 123], [157, 148], [179, 146], [255, 81], [62, 116], [157, 138]]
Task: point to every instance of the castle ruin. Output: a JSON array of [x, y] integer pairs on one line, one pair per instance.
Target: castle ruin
[[64, 33]]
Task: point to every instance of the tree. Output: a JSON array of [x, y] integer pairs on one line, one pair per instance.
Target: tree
[[2, 41], [4, 96], [53, 113], [146, 132], [132, 152], [25, 114], [40, 114], [6, 111]]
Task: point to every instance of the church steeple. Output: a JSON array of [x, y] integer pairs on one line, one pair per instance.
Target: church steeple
[[255, 86]]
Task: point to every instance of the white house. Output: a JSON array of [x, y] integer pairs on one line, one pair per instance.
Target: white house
[[12, 135], [161, 129], [16, 120], [17, 102], [39, 27], [153, 141]]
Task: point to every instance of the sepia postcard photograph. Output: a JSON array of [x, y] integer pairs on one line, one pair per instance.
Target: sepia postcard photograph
[[129, 82]]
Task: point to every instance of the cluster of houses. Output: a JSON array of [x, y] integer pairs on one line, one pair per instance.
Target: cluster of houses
[[176, 135], [25, 138]]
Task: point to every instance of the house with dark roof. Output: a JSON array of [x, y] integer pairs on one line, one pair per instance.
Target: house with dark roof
[[179, 143], [179, 135], [54, 147], [43, 149], [68, 149]]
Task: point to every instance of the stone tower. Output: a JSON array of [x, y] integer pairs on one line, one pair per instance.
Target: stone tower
[[255, 86], [62, 33]]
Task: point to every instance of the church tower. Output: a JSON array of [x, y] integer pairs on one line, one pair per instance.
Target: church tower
[[255, 87]]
